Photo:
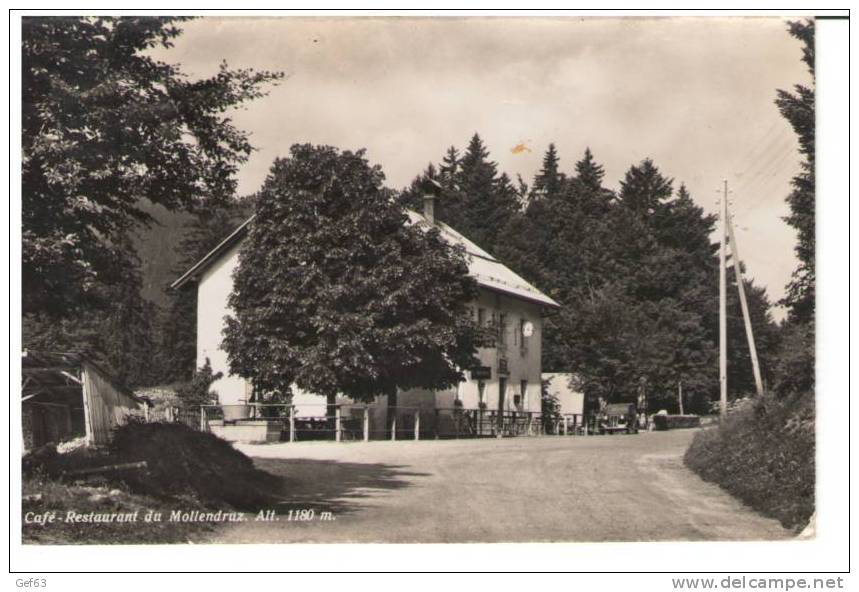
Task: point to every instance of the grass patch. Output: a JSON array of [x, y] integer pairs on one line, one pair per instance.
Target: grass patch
[[43, 495], [763, 453]]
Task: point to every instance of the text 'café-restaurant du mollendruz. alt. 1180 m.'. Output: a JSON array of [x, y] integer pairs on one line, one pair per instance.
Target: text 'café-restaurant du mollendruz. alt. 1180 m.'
[[506, 384]]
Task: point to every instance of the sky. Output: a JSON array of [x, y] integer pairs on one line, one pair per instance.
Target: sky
[[695, 94]]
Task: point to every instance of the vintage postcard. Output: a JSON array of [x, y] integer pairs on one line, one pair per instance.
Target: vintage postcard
[[416, 278]]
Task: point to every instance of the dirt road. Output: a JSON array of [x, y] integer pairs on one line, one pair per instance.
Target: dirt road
[[600, 488]]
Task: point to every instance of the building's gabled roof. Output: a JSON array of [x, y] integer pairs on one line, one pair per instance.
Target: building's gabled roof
[[213, 255], [483, 267], [486, 269]]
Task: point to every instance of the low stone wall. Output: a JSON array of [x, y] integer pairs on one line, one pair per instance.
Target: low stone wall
[[247, 431]]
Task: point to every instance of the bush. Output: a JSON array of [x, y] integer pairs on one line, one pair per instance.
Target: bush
[[763, 453], [793, 373], [196, 392]]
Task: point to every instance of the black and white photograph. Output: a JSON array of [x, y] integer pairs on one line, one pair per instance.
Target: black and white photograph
[[416, 278]]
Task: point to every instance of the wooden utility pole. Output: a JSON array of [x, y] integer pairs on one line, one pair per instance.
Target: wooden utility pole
[[723, 326], [747, 320], [680, 395]]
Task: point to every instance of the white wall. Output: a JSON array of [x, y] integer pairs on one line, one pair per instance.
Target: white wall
[[522, 363], [213, 293], [571, 400]]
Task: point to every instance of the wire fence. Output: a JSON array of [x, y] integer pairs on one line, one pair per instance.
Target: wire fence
[[356, 422]]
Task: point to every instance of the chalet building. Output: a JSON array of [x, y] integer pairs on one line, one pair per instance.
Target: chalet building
[[505, 383]]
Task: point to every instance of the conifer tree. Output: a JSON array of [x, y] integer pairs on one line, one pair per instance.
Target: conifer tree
[[450, 164], [798, 109], [644, 189], [487, 201], [588, 172], [548, 181]]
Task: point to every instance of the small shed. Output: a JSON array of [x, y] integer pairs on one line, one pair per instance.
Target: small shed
[[65, 396]]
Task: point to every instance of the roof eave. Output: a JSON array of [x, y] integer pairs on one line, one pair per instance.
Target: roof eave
[[534, 300], [212, 255]]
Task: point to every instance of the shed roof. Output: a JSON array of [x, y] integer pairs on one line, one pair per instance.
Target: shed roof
[[57, 374], [483, 267]]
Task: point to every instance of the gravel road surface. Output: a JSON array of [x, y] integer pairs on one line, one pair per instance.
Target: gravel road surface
[[597, 488]]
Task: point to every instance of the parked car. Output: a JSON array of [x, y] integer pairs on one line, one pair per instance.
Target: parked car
[[618, 417]]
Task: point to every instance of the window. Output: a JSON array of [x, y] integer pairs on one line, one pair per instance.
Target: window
[[481, 317], [502, 328], [523, 393]]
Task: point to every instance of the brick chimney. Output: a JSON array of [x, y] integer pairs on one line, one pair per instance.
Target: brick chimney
[[429, 207], [431, 189]]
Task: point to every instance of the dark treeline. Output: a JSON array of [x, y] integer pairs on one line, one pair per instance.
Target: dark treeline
[[636, 273]]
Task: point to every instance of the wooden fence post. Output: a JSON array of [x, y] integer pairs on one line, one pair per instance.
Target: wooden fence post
[[366, 423], [292, 423], [337, 424], [418, 424]]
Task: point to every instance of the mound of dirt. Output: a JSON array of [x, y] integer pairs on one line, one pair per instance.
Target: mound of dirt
[[183, 462]]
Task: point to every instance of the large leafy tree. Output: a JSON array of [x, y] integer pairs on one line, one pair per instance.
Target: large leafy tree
[[120, 336], [336, 293], [105, 125], [798, 108]]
